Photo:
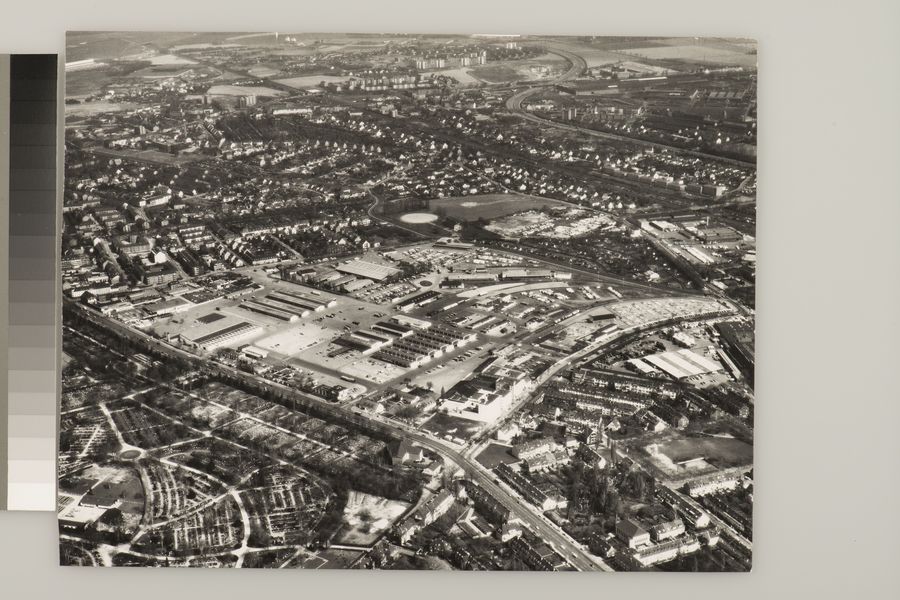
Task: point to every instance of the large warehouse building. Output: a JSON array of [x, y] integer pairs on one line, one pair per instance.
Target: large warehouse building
[[219, 333], [364, 268], [682, 363]]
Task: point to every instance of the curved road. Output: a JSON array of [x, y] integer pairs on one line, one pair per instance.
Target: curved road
[[514, 105], [571, 551]]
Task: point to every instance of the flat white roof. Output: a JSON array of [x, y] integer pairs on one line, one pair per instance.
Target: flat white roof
[[82, 514], [200, 331], [364, 268], [700, 360], [681, 363], [641, 365], [685, 365], [657, 361]]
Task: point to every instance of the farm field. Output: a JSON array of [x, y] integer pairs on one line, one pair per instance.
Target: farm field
[[489, 206], [496, 74], [242, 90], [89, 109], [263, 71], [308, 81], [695, 53], [594, 57], [540, 67]]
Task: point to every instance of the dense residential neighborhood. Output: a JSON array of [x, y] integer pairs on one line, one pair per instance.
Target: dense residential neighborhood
[[408, 302]]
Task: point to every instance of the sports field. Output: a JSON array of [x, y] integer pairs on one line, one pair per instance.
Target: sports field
[[461, 75], [540, 67], [110, 484], [722, 452], [489, 206]]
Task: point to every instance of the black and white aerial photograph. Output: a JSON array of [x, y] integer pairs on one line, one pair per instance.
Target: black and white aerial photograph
[[403, 301]]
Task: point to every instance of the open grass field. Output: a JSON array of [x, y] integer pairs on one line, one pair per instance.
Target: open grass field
[[86, 82], [489, 206], [541, 67], [112, 484], [263, 71], [150, 156], [242, 90], [596, 57], [366, 517], [89, 109], [496, 73], [170, 59], [697, 53], [680, 455], [94, 44], [722, 452], [328, 559], [308, 81]]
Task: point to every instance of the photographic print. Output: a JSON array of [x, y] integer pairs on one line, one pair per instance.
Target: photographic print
[[396, 301]]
